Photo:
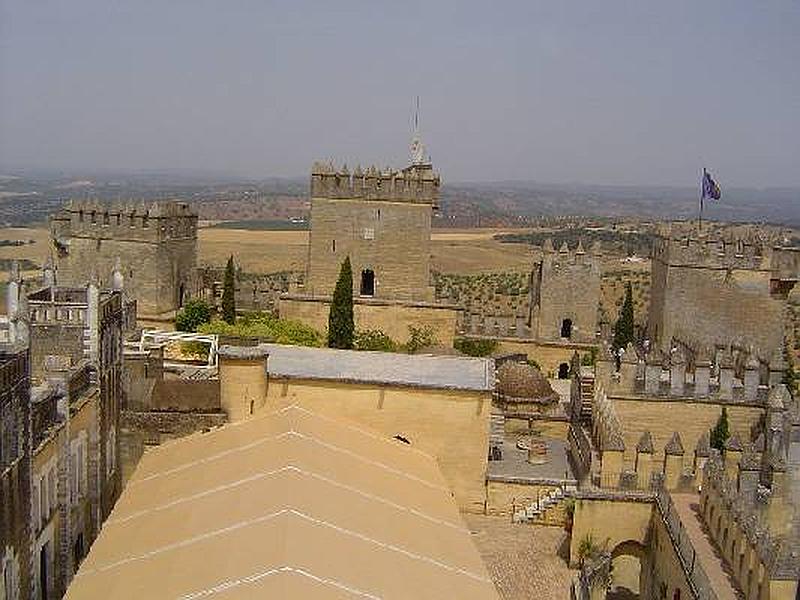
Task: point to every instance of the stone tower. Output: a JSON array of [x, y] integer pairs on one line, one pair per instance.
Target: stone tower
[[720, 292], [565, 294], [381, 219], [155, 244]]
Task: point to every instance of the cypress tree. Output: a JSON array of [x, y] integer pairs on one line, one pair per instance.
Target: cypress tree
[[623, 329], [721, 431], [228, 294], [341, 329]]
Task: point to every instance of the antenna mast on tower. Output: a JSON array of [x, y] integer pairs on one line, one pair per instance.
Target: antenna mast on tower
[[417, 148]]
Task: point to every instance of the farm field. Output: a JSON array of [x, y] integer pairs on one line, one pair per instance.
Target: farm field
[[469, 251]]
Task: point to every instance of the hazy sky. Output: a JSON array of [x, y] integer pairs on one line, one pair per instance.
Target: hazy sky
[[554, 91]]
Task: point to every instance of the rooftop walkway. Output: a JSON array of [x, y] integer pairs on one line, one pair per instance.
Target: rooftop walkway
[[687, 507]]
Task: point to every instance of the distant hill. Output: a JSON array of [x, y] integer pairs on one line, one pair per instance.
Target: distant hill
[[28, 197], [532, 200]]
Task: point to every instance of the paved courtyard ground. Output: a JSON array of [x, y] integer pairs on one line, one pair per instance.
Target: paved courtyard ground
[[524, 561]]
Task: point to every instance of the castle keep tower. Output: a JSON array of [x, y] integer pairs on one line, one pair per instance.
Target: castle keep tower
[[381, 219], [565, 294], [156, 245], [721, 292]]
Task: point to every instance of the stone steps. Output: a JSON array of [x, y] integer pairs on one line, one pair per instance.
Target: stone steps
[[549, 510]]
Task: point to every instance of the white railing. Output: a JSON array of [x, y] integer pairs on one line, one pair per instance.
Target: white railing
[[157, 336]]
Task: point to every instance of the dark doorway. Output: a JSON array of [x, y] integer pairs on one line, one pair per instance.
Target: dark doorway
[[181, 293], [566, 328], [563, 371], [367, 282], [43, 572], [77, 551]]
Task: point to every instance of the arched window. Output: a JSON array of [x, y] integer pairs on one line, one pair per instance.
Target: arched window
[[367, 282], [563, 371], [566, 328]]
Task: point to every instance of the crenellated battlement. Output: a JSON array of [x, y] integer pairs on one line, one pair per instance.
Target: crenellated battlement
[[714, 253], [154, 222], [566, 257], [414, 184]]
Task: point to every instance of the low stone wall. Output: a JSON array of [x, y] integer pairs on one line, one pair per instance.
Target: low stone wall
[[549, 355], [392, 318], [504, 497], [184, 395]]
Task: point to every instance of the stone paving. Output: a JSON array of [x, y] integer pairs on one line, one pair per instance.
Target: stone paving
[[524, 561], [687, 507], [515, 461]]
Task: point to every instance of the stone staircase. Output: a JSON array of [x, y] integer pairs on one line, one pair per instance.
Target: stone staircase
[[550, 509], [587, 394]]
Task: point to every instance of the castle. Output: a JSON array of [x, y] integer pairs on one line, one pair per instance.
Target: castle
[[156, 242], [382, 221], [740, 284]]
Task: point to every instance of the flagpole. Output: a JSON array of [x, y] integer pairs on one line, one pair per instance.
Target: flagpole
[[700, 209]]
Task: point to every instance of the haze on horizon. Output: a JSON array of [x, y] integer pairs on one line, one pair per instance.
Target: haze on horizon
[[611, 93]]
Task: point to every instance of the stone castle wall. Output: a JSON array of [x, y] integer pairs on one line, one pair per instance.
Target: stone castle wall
[[721, 292], [392, 318], [451, 425], [382, 221], [565, 285], [155, 244], [390, 239]]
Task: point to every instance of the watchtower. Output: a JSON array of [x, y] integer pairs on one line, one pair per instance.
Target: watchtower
[[156, 244], [565, 293], [721, 290], [381, 219]]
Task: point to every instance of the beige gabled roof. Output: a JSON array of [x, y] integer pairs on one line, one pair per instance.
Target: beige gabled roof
[[288, 505]]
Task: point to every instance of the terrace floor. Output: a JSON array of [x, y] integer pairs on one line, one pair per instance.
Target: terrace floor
[[715, 566], [524, 561]]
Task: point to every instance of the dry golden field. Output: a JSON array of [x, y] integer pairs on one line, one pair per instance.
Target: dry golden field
[[36, 252], [269, 251]]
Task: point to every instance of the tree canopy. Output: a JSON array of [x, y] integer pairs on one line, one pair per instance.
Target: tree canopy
[[341, 327]]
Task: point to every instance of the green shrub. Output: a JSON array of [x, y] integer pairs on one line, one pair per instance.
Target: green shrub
[[589, 359], [374, 339], [476, 347], [195, 350], [533, 363], [266, 326], [194, 314], [229, 293], [341, 327], [418, 338], [721, 431]]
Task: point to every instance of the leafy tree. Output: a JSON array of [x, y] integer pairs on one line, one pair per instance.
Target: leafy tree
[[623, 329], [194, 314], [374, 339], [341, 328], [229, 294], [721, 431]]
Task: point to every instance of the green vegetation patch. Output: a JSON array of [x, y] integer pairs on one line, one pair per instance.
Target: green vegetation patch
[[627, 242], [263, 225], [267, 327], [476, 347]]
